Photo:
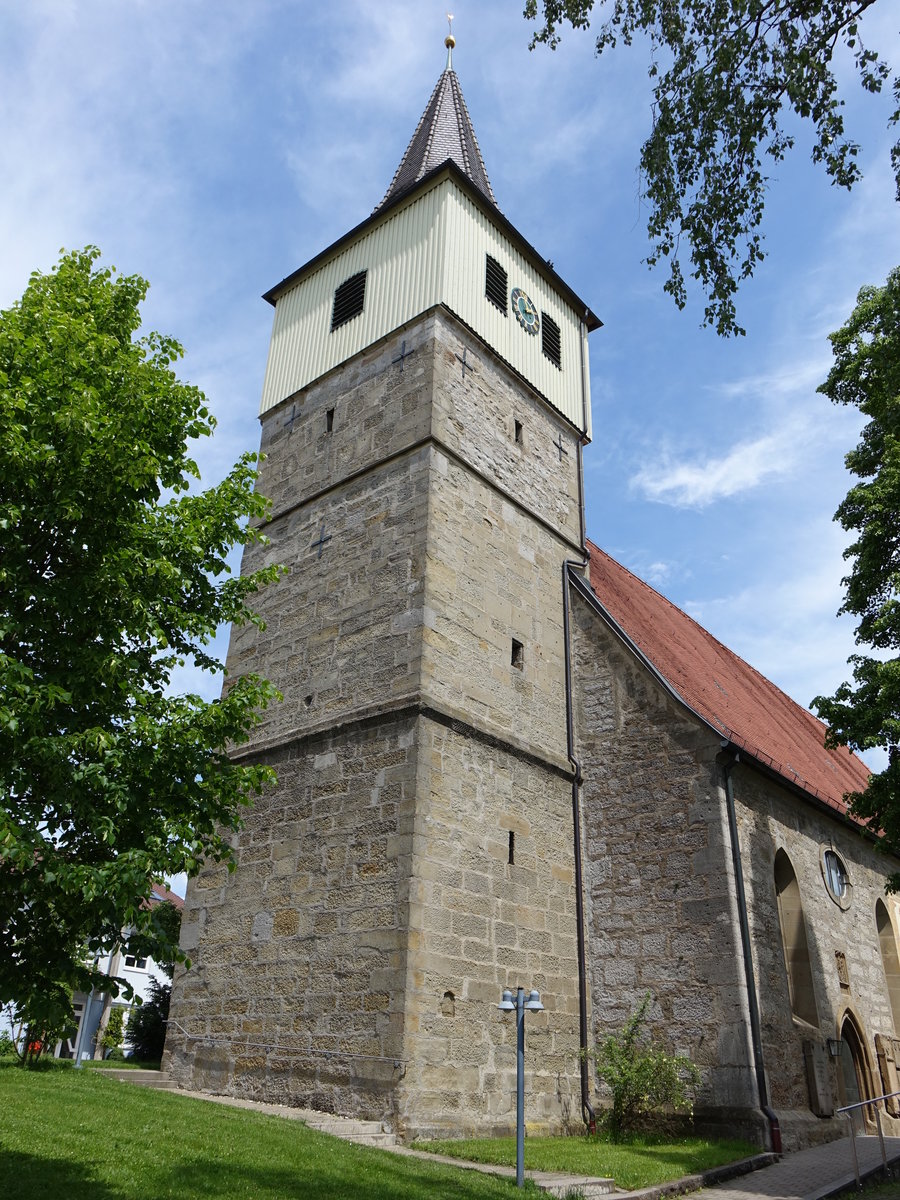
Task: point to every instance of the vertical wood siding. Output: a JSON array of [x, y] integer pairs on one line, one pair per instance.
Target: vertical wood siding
[[429, 251]]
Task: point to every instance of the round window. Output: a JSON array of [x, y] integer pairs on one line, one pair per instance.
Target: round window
[[837, 880]]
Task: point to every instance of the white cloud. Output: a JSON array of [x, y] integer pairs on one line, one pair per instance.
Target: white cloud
[[699, 479], [793, 426], [704, 480], [657, 573]]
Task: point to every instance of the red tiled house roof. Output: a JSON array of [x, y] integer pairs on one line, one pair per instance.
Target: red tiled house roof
[[732, 697], [161, 893]]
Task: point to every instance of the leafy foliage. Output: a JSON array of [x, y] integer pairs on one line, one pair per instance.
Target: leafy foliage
[[113, 573], [866, 713], [642, 1078], [727, 75], [115, 1028], [147, 1023]]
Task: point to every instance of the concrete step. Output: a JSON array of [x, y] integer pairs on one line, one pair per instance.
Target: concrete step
[[588, 1187], [366, 1133], [153, 1079]]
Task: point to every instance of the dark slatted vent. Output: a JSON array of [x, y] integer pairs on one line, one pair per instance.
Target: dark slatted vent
[[550, 342], [348, 300], [495, 283]]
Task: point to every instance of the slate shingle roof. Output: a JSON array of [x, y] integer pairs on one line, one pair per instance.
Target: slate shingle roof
[[724, 690], [444, 132]]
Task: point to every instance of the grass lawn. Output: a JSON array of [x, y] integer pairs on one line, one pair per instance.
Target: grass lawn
[[639, 1162], [80, 1135]]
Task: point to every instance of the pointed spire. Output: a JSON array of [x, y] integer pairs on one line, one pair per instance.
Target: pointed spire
[[445, 131]]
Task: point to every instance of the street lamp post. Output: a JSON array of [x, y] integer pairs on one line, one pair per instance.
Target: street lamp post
[[519, 1006]]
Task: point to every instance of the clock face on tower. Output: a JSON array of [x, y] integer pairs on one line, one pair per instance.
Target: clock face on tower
[[526, 313]]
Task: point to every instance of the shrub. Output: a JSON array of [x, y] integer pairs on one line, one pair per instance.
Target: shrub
[[147, 1023], [115, 1027], [641, 1076]]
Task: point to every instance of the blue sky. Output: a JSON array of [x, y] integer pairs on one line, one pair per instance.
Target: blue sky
[[215, 147]]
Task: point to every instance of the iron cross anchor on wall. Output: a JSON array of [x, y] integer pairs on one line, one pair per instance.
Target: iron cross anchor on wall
[[404, 353], [466, 366], [321, 542]]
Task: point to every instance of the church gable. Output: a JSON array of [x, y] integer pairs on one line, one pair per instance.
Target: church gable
[[726, 692]]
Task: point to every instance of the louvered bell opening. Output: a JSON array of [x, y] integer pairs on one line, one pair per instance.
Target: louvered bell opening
[[550, 341], [495, 283], [348, 300]]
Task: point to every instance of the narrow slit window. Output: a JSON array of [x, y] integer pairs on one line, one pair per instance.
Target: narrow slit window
[[349, 299], [512, 847], [518, 432], [550, 340], [518, 654], [329, 420], [495, 283]]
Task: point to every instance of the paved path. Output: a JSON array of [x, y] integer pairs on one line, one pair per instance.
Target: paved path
[[808, 1174]]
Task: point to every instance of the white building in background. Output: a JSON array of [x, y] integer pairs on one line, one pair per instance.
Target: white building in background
[[92, 1011]]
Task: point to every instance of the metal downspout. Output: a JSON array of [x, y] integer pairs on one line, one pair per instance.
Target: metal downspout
[[753, 1003], [587, 1112]]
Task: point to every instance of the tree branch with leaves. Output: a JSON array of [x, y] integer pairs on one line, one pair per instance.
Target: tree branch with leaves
[[726, 77], [113, 574], [865, 714]]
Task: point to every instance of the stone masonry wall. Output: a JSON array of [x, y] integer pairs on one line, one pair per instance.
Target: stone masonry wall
[[475, 415], [493, 572], [771, 818], [662, 917], [296, 993], [479, 924]]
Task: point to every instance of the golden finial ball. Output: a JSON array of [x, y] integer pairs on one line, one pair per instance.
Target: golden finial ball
[[449, 41]]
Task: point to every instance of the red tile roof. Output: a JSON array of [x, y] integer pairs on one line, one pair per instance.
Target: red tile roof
[[728, 693], [160, 893]]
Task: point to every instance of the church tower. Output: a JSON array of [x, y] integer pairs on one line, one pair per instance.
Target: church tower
[[423, 412]]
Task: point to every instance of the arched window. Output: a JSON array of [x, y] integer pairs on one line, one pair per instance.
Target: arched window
[[794, 941], [889, 959]]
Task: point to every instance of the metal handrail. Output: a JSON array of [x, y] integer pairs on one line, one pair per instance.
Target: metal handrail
[[848, 1109]]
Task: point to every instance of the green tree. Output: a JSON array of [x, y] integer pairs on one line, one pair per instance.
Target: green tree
[[865, 714], [147, 1023], [727, 78], [113, 572]]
